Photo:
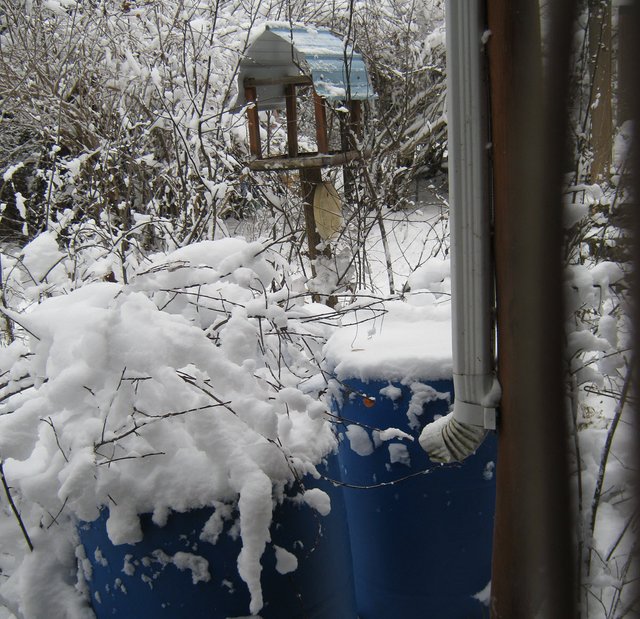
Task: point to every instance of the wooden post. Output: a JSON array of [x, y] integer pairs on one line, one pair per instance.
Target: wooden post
[[321, 123], [310, 178], [627, 59], [532, 559], [348, 124], [254, 121], [602, 113], [292, 119], [355, 119]]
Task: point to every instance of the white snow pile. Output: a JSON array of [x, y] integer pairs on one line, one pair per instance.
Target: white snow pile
[[183, 388], [396, 341]]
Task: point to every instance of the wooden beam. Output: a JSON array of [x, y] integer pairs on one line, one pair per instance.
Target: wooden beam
[[307, 161], [321, 123], [292, 119], [297, 80], [254, 121]]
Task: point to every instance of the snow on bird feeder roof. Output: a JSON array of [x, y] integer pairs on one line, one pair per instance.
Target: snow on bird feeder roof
[[280, 50]]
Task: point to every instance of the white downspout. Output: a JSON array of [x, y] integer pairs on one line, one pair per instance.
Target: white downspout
[[477, 392]]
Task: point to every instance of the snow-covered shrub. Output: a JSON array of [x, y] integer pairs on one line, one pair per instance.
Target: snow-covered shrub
[[183, 388], [600, 367], [125, 108]]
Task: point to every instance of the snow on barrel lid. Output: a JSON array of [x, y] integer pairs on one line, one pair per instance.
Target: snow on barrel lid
[[399, 342]]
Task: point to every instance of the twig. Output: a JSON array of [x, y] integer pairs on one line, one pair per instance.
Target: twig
[[578, 456], [14, 509], [12, 316], [154, 418], [382, 484], [629, 522], [139, 457], [597, 493], [54, 519], [49, 422]]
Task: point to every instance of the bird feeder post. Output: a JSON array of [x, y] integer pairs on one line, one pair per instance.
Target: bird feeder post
[[292, 119], [250, 94], [321, 123], [355, 120], [309, 180]]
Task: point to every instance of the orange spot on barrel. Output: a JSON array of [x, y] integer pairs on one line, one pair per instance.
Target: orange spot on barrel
[[368, 402]]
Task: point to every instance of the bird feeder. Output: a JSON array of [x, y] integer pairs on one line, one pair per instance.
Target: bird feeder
[[281, 59], [281, 62]]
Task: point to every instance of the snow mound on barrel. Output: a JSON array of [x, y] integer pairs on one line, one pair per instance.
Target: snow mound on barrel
[[163, 395]]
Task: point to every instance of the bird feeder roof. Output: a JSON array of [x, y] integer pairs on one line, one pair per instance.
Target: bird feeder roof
[[279, 49]]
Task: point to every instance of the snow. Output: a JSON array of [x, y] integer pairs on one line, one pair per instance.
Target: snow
[[359, 440], [318, 499], [399, 454], [135, 384], [386, 353], [484, 596], [198, 566], [286, 561], [11, 170]]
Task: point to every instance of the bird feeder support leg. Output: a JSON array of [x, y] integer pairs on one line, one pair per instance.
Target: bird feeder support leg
[[254, 122], [310, 178], [321, 123], [292, 120], [355, 119]]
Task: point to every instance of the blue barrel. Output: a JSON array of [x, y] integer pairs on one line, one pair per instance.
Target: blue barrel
[[421, 546], [145, 581]]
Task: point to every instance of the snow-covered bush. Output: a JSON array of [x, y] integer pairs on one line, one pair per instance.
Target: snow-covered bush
[[600, 368], [193, 385]]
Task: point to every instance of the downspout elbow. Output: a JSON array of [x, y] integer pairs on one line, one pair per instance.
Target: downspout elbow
[[458, 435]]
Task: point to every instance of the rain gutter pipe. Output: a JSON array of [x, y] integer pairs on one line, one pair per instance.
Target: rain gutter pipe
[[477, 392]]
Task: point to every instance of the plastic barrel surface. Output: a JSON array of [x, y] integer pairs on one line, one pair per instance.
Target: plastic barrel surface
[[149, 580], [421, 546]]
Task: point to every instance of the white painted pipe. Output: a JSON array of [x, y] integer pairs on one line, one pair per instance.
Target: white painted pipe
[[477, 392]]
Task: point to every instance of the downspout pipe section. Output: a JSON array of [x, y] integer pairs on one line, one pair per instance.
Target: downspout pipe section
[[477, 392]]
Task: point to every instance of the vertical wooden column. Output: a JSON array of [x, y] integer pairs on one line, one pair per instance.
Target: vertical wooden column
[[310, 178], [350, 128], [254, 122], [627, 61], [532, 559], [600, 60], [355, 119], [321, 123], [292, 119]]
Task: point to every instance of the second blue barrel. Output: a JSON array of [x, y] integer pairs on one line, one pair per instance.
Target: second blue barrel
[[421, 533]]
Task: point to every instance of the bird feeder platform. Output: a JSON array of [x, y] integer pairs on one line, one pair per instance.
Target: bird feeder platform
[[307, 160]]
